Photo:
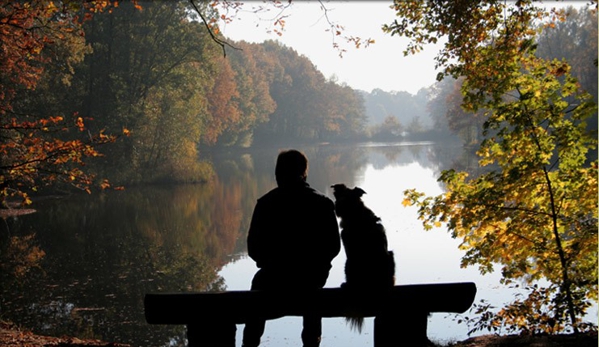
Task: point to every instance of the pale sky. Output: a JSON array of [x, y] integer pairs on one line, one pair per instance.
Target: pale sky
[[381, 65]]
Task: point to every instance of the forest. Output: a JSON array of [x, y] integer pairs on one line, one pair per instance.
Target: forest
[[105, 95], [137, 91]]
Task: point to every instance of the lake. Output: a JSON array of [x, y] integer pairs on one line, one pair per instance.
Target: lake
[[103, 252]]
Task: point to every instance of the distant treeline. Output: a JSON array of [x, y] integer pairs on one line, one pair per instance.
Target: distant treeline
[[157, 73]]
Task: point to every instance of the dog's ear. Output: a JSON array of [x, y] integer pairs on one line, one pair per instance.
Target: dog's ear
[[359, 192]]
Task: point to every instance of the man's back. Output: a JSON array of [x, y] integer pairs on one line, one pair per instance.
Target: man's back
[[294, 230]]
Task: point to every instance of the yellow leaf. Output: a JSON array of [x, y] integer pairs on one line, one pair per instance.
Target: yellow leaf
[[406, 202]]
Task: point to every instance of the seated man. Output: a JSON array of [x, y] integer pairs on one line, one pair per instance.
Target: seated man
[[293, 238]]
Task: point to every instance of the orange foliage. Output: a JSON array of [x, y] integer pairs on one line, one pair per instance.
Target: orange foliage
[[30, 156], [31, 151], [223, 106], [21, 255]]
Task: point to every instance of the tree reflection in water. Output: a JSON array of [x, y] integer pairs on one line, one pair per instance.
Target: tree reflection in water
[[104, 251]]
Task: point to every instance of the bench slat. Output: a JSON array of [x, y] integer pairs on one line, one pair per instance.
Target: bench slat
[[237, 306]]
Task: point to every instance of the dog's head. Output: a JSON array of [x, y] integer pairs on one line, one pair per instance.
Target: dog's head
[[346, 199], [340, 191]]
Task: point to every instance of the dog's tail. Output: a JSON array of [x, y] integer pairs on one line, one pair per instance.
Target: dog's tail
[[355, 323]]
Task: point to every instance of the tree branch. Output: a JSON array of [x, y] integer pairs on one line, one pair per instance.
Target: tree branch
[[220, 42]]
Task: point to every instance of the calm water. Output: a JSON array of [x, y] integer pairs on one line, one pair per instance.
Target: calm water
[[104, 252]]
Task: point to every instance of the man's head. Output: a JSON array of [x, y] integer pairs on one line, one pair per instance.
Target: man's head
[[292, 166]]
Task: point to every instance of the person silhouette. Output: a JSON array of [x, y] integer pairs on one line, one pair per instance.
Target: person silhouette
[[293, 237]]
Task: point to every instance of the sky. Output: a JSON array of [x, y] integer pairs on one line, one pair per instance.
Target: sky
[[381, 65]]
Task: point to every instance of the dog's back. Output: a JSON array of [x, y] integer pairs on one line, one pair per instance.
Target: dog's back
[[370, 265]]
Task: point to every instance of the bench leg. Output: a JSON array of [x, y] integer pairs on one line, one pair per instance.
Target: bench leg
[[211, 334], [393, 329]]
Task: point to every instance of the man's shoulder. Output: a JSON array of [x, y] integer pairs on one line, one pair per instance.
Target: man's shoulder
[[304, 193], [316, 197], [317, 193], [270, 194]]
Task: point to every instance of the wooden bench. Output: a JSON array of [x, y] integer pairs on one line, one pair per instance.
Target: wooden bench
[[400, 316]]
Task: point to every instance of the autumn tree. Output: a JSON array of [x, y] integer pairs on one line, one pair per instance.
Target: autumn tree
[[573, 40], [38, 37], [534, 212], [152, 71], [344, 115], [303, 106], [223, 97], [299, 103], [253, 76], [390, 129]]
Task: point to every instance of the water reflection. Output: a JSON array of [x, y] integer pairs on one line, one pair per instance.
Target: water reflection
[[103, 252]]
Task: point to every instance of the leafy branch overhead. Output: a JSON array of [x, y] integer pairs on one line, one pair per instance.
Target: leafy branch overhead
[[468, 26]]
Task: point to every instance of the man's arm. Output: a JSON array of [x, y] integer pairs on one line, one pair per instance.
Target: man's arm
[[255, 240], [331, 231]]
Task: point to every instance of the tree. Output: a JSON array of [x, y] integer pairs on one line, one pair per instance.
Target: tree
[[344, 116], [576, 41], [437, 104], [535, 211], [224, 112], [154, 71], [255, 103], [390, 129], [297, 89], [37, 148], [467, 125]]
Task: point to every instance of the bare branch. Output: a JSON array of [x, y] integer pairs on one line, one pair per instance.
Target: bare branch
[[220, 42]]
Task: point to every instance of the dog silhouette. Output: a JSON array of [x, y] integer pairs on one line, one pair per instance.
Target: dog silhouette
[[370, 266]]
